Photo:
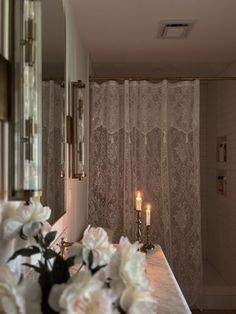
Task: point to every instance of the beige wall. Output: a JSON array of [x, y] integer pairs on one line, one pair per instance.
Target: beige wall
[[219, 212], [75, 219]]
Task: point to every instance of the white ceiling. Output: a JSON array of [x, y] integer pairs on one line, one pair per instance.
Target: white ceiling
[[122, 36]]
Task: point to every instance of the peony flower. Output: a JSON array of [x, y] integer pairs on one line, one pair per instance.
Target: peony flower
[[136, 301], [25, 222], [76, 250], [54, 296], [127, 267], [18, 297], [84, 294], [96, 240]]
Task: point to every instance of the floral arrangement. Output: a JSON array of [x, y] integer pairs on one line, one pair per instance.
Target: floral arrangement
[[95, 277]]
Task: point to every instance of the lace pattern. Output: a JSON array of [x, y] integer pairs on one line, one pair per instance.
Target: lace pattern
[[146, 136]]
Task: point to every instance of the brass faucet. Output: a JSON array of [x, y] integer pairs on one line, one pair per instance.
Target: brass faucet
[[63, 245]]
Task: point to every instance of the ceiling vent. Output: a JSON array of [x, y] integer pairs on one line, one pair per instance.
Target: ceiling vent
[[175, 29]]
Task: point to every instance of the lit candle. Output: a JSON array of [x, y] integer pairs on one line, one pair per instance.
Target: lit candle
[[138, 202], [148, 215]]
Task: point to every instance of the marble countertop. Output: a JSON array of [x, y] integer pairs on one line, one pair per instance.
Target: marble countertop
[[166, 289]]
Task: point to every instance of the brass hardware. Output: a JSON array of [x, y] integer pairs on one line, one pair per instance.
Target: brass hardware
[[80, 152], [138, 226], [30, 52], [29, 42], [28, 140], [78, 122], [148, 246], [26, 195], [4, 88], [63, 245], [80, 176], [81, 109], [69, 131], [30, 29], [29, 127], [78, 84]]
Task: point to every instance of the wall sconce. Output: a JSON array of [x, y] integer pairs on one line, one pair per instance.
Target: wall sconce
[[26, 134], [76, 129]]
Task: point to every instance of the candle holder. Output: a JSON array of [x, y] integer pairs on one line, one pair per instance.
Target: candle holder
[[148, 246], [138, 223]]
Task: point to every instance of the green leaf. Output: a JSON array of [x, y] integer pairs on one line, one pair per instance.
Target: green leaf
[[70, 261], [41, 264], [60, 270], [31, 250], [50, 237], [121, 311], [49, 254], [94, 270], [90, 260], [36, 268], [39, 239], [46, 282], [20, 279]]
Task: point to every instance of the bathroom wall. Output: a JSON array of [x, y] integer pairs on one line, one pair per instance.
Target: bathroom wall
[[75, 219], [219, 213]]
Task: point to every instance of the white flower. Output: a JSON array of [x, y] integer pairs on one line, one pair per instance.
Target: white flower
[[18, 298], [76, 250], [54, 296], [96, 240], [127, 267], [136, 301], [25, 222], [84, 294]]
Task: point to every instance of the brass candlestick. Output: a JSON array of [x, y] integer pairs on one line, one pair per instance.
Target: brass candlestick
[[138, 223], [148, 246]]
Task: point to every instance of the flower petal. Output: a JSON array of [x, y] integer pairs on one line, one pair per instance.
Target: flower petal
[[55, 295], [24, 213], [11, 228], [31, 229], [41, 213]]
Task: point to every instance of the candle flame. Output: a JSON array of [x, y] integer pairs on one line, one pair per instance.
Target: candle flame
[[138, 194], [148, 206]]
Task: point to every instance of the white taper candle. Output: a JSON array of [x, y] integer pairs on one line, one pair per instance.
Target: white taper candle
[[138, 202], [148, 215]]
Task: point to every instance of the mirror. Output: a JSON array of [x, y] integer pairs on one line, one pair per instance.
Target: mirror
[[25, 127], [53, 106]]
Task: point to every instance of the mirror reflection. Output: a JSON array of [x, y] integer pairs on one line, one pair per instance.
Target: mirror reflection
[[53, 106]]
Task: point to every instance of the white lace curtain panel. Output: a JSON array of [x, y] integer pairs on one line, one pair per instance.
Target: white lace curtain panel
[[145, 136]]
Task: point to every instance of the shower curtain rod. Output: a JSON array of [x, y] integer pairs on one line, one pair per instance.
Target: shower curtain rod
[[142, 78]]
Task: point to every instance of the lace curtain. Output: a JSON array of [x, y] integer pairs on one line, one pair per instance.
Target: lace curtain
[[145, 136], [52, 148]]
